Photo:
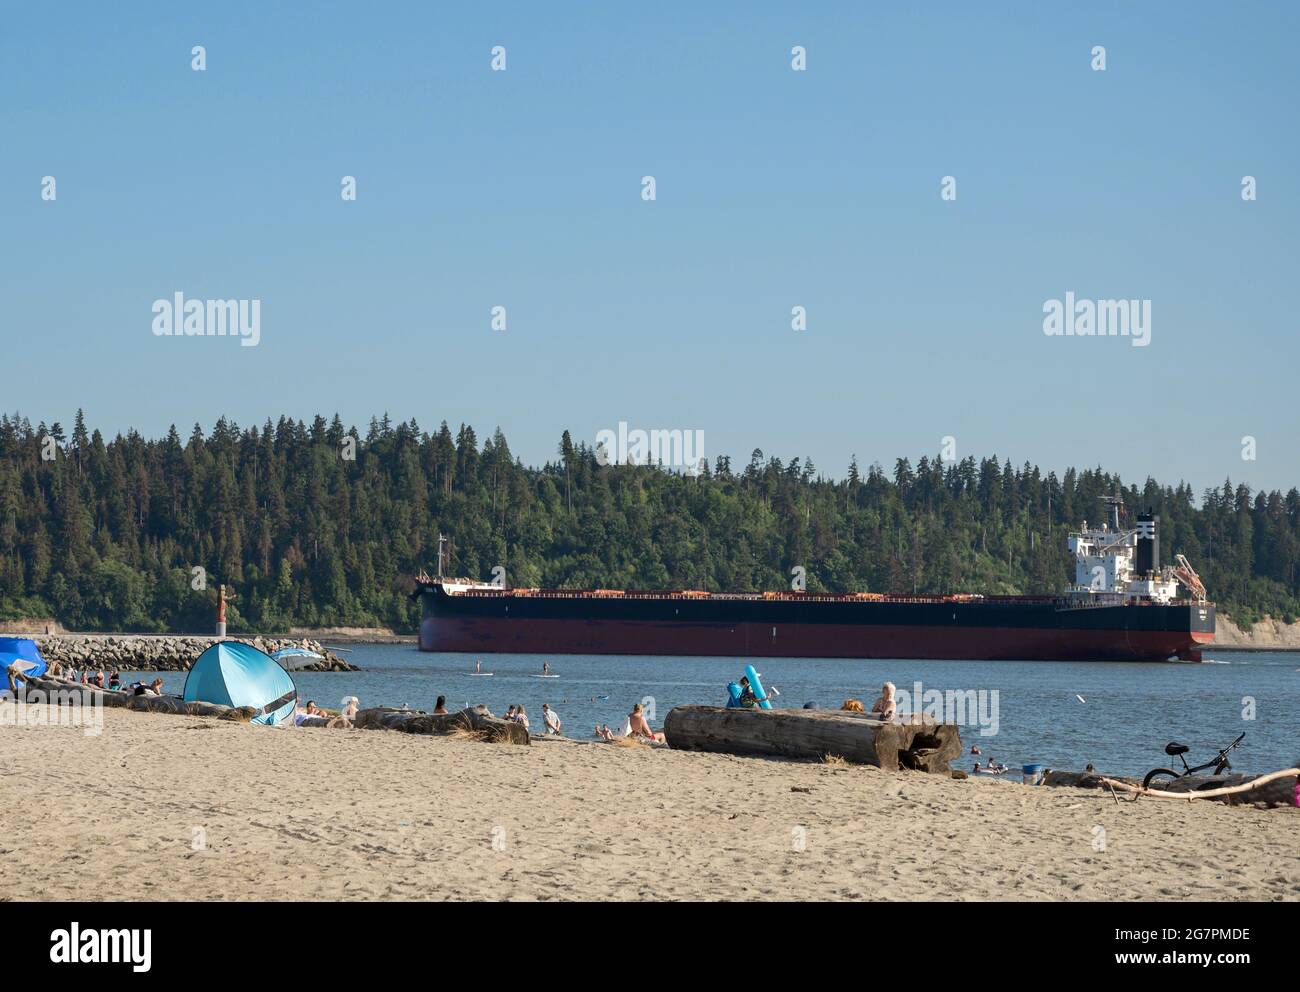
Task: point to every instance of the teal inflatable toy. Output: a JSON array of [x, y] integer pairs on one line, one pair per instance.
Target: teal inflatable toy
[[757, 686]]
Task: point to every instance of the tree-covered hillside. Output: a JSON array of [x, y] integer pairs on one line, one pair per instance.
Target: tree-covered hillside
[[108, 535]]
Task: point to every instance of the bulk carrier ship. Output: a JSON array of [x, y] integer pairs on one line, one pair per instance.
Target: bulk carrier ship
[[1123, 606]]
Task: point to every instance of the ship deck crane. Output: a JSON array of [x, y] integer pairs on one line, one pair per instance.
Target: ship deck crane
[[1185, 574]]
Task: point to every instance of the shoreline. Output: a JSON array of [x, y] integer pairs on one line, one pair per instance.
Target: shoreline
[[1253, 649], [363, 815], [1265, 635], [350, 635]]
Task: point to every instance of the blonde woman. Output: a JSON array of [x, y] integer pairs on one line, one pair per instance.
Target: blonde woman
[[639, 726], [886, 706]]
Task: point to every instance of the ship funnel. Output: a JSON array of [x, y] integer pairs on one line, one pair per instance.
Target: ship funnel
[[1146, 560]]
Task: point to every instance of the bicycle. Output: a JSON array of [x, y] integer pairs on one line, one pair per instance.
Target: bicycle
[[1220, 763]]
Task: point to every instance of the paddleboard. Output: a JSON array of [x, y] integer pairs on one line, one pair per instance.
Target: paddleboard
[[486, 675], [546, 676]]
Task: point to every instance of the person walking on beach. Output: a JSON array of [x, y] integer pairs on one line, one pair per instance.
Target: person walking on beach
[[551, 719]]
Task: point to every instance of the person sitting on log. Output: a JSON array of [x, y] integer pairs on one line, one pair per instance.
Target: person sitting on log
[[440, 707], [510, 714], [350, 706], [640, 728], [748, 700], [521, 716], [886, 705]]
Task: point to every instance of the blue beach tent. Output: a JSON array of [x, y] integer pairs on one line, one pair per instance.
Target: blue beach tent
[[23, 651], [235, 674]]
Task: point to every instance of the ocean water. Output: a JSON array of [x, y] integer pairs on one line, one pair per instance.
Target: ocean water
[[1128, 712]]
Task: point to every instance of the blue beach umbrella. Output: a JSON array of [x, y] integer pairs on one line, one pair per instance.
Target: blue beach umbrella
[[292, 659], [236, 674], [24, 653]]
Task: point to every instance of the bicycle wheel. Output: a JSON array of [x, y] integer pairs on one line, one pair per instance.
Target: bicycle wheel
[[1158, 775]]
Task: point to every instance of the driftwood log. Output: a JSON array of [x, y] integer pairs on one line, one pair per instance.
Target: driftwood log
[[814, 735], [1084, 780], [474, 719], [1278, 792], [47, 690]]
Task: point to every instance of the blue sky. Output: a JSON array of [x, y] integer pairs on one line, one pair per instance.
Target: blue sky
[[775, 188]]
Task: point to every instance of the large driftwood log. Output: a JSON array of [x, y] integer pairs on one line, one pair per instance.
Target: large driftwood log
[[475, 719], [174, 704], [47, 690], [813, 735]]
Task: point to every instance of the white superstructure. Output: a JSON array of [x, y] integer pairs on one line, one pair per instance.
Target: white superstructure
[[1106, 562]]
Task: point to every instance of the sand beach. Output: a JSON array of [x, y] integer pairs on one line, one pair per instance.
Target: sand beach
[[186, 808]]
